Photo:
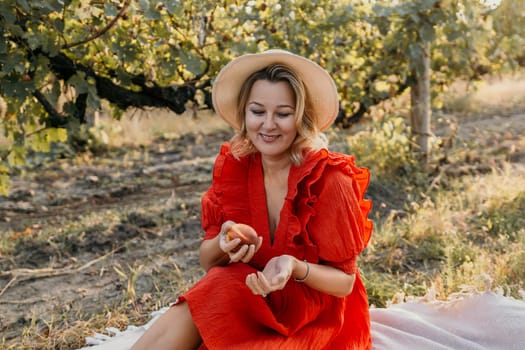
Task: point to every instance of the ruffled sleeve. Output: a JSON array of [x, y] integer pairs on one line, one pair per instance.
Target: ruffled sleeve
[[337, 223], [212, 215], [226, 198]]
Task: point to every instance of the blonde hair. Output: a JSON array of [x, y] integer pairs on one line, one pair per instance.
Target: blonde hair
[[309, 137]]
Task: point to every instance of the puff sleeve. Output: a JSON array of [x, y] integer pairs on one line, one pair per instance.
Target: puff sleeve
[[212, 216], [226, 198], [340, 227]]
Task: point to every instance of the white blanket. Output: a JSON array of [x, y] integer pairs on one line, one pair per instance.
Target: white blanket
[[467, 321]]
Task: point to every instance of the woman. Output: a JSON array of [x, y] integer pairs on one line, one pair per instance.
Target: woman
[[298, 286]]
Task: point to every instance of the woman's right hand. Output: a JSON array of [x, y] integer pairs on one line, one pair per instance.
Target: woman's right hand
[[245, 252]]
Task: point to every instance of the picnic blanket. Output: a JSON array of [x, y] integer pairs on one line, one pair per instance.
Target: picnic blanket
[[465, 321]]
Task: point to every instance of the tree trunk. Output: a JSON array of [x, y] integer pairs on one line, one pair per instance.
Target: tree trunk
[[420, 102]]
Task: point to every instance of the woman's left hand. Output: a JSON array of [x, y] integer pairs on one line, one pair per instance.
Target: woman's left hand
[[273, 277]]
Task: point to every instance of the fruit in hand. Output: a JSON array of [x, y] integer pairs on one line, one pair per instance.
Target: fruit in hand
[[245, 232]]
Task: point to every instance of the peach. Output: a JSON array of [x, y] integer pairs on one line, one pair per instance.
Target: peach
[[245, 232]]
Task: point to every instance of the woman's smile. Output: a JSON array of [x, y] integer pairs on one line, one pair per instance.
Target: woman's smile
[[268, 138]]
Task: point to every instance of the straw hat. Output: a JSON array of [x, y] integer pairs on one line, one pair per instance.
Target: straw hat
[[319, 84]]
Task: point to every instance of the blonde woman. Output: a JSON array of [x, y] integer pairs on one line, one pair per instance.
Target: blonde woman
[[297, 286]]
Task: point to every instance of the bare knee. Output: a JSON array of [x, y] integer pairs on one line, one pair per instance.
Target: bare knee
[[174, 329]]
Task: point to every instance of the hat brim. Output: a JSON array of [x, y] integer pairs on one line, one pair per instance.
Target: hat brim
[[320, 86]]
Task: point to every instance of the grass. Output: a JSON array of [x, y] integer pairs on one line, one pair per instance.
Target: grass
[[494, 96], [141, 127], [451, 230], [455, 237], [68, 329]]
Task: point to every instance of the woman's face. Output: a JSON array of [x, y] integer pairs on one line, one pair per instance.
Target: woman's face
[[270, 120]]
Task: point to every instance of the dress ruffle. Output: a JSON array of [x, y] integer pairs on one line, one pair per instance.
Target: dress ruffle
[[304, 196], [228, 199]]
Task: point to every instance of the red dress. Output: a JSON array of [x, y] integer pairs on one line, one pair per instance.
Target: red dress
[[323, 220]]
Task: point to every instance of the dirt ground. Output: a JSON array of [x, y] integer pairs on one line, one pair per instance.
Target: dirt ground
[[105, 215], [83, 229]]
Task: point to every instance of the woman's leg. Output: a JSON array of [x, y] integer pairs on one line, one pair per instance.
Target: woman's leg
[[173, 330]]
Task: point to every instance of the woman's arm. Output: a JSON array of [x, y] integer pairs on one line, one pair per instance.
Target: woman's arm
[[324, 278], [210, 254], [280, 269]]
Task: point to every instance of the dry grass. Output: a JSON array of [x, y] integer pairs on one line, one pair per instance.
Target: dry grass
[[494, 96], [142, 127], [463, 224], [456, 236]]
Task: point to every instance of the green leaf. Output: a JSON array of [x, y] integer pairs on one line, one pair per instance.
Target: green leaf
[[93, 101], [8, 13], [191, 63], [57, 134], [54, 93], [40, 67], [415, 18], [424, 5], [3, 168], [15, 30], [174, 7], [39, 142], [453, 35], [404, 9], [110, 10], [69, 108], [24, 5], [4, 184], [58, 23], [3, 47], [42, 140], [17, 89], [150, 12], [14, 63], [78, 81], [17, 157], [427, 32]]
